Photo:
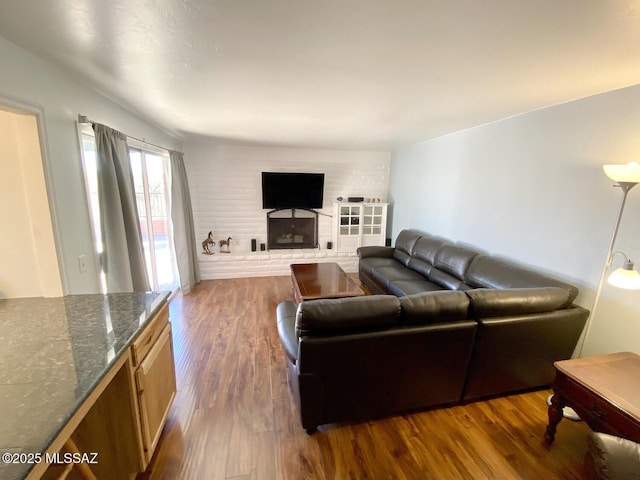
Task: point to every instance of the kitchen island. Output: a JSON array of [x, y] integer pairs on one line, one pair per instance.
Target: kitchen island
[[87, 377]]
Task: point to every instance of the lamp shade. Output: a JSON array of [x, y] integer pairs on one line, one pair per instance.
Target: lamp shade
[[629, 173], [626, 277]]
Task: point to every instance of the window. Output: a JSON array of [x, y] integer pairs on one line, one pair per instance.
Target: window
[[150, 174], [150, 170]]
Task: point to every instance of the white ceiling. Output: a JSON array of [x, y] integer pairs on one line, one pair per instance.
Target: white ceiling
[[349, 74]]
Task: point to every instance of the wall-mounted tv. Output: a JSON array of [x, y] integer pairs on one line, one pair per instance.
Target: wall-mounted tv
[[292, 190]]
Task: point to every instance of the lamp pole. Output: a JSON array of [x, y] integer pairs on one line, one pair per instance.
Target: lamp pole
[[625, 186]]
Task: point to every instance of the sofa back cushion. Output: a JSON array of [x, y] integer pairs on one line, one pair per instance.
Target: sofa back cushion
[[404, 245], [455, 259], [347, 315], [495, 272], [488, 302], [450, 265], [433, 307], [427, 247]]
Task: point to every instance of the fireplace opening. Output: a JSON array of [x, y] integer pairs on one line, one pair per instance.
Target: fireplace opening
[[292, 228]]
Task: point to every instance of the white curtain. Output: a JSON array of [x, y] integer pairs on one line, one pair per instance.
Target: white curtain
[[123, 255], [184, 237]]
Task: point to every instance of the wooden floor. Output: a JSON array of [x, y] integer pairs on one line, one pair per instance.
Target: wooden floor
[[234, 418]]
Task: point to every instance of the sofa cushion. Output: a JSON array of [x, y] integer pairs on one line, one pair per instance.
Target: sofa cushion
[[495, 272], [454, 259], [420, 266], [347, 315], [386, 275], [427, 247], [400, 288], [433, 307], [488, 302], [368, 264], [404, 245], [446, 280]]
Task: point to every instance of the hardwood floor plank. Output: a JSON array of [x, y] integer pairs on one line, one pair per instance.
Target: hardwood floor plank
[[234, 416]]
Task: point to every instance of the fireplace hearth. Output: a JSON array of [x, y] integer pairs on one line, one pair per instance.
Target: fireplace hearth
[[292, 228]]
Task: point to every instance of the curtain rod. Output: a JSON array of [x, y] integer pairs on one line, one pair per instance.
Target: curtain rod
[[83, 119]]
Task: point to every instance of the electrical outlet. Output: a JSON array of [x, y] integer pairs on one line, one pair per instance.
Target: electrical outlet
[[82, 263]]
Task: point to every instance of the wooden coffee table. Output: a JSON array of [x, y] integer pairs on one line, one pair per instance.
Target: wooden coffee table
[[322, 280], [604, 390]]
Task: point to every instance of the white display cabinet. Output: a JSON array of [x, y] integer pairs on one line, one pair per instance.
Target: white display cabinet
[[359, 224]]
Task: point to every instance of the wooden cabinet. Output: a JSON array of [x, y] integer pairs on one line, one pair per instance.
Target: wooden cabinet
[[359, 225], [155, 379], [124, 415], [156, 388]]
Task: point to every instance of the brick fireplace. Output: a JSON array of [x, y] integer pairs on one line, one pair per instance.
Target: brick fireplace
[[292, 228]]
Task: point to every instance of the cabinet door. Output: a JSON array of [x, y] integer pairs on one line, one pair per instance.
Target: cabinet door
[[156, 385], [374, 225], [348, 227]]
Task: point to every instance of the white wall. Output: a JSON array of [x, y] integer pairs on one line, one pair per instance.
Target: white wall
[[532, 188], [27, 249], [226, 192], [26, 79]]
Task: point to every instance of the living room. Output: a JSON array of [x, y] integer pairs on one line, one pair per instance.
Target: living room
[[524, 182]]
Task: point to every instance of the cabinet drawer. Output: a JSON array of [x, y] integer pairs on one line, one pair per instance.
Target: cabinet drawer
[[599, 414], [141, 346]]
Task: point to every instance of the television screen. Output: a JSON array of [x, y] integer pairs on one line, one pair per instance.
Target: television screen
[[292, 190]]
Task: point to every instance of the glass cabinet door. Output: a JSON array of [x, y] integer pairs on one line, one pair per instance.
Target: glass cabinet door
[[372, 220], [349, 220]]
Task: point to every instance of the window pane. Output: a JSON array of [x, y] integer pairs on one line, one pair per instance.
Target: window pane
[[160, 222]]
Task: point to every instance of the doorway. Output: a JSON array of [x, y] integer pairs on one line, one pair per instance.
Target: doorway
[[28, 254]]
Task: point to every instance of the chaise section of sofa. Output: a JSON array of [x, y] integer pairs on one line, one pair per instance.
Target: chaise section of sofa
[[521, 333], [358, 358]]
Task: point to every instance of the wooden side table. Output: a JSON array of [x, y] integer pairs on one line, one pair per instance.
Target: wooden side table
[[604, 390]]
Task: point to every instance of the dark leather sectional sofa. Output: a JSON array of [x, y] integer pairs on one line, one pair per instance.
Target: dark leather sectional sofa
[[447, 324]]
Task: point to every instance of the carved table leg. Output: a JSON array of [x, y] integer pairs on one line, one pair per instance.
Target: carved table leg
[[555, 415]]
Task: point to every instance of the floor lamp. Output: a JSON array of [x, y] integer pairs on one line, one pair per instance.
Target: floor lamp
[[626, 177]]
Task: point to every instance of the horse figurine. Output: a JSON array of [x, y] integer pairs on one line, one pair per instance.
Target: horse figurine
[[226, 243], [205, 244]]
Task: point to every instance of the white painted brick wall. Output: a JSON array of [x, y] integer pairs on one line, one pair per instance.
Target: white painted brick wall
[[226, 195]]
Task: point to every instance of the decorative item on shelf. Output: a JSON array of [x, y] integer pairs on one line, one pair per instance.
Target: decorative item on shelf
[[206, 243], [626, 177], [225, 243]]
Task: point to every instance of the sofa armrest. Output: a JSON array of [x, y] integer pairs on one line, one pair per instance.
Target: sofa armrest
[[286, 317], [375, 251], [611, 458]]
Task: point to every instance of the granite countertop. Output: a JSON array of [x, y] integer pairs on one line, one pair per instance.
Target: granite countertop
[[53, 352]]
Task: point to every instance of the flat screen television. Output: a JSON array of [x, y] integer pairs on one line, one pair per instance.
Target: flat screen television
[[292, 190]]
